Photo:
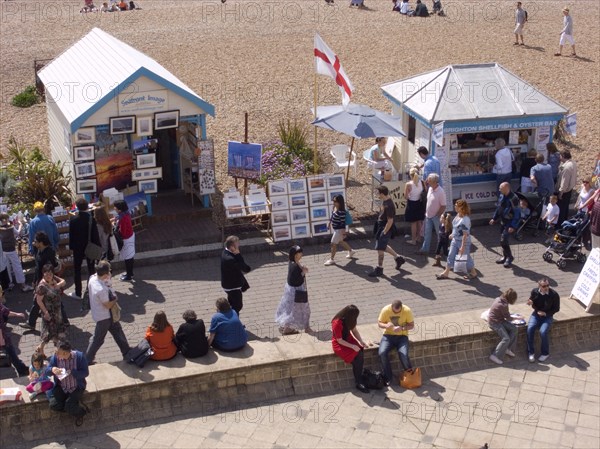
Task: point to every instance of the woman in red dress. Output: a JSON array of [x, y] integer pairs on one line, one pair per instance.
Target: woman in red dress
[[347, 342]]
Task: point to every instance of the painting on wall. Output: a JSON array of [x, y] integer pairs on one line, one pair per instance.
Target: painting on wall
[[113, 160]]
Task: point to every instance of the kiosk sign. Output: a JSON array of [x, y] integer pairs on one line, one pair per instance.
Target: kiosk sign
[[143, 102]]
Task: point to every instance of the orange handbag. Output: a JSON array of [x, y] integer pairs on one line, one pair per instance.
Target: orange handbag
[[411, 378]]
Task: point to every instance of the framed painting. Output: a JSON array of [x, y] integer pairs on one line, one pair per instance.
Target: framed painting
[[320, 228], [166, 120], [281, 233], [86, 186], [297, 186], [300, 231], [319, 213], [279, 202], [148, 186], [318, 198], [85, 136], [316, 183], [336, 182], [280, 217], [277, 188], [85, 170], [122, 125], [144, 126], [299, 215], [85, 153], [146, 160], [298, 201]]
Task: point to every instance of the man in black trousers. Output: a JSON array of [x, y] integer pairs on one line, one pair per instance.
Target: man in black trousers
[[233, 268], [79, 236]]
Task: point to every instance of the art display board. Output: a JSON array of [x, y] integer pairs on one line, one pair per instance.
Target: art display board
[[206, 166], [234, 204], [587, 286], [304, 205]]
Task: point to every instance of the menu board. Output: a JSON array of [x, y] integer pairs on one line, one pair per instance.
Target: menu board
[[446, 158]]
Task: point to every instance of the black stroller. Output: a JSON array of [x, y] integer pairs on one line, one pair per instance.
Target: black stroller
[[533, 222], [567, 240]]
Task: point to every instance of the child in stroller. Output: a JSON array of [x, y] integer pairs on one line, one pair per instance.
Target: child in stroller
[[531, 206], [567, 241]]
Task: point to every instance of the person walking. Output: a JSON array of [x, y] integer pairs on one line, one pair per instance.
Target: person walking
[[461, 241], [82, 230], [566, 35], [396, 319], [125, 228], [503, 166], [103, 300], [508, 213], [384, 230], [233, 267], [566, 182], [347, 343], [42, 222], [500, 321], [436, 206], [47, 294], [104, 231], [520, 19], [337, 223], [545, 303], [415, 207], [293, 313]]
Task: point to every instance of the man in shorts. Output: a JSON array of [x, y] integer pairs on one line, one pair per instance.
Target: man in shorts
[[520, 19], [566, 35], [383, 232]]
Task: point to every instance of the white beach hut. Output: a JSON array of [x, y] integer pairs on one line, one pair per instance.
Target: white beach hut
[[123, 120]]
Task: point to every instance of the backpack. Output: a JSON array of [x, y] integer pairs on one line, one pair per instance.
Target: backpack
[[525, 15], [373, 380], [140, 354]]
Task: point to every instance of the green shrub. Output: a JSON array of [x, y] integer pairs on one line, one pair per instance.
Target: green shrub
[[294, 136], [27, 98]]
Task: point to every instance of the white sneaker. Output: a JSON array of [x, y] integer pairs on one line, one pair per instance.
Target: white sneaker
[[543, 358], [350, 254], [27, 288], [74, 295], [495, 359], [531, 358], [329, 262], [510, 353]]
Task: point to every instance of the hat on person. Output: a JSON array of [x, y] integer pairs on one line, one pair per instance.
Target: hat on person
[[566, 9], [38, 205]]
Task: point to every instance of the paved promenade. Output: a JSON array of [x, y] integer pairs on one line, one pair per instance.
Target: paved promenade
[[177, 286], [519, 405]]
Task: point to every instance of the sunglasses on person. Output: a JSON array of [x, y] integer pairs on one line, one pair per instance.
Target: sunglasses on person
[[544, 285]]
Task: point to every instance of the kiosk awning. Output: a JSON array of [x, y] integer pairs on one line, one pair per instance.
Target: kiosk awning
[[471, 91]]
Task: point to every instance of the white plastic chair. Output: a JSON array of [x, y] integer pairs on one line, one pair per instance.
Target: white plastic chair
[[373, 165], [340, 154]]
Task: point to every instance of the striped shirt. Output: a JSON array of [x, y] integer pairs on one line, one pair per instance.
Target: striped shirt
[[338, 219], [69, 383]]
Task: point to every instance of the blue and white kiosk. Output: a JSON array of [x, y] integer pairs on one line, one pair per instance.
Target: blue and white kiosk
[[122, 122], [475, 104]]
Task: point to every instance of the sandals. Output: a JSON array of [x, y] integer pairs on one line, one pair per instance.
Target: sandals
[[441, 276]]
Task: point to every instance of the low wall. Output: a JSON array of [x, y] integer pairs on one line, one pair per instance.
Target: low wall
[[266, 370]]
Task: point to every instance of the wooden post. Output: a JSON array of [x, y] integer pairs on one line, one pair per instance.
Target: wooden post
[[245, 127], [315, 159]]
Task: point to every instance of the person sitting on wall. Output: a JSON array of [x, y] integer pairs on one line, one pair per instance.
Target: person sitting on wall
[[123, 5], [226, 333]]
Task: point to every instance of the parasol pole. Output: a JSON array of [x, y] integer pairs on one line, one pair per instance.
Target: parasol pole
[[349, 159], [315, 89]]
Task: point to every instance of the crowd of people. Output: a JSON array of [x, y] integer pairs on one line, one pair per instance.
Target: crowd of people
[[63, 379], [112, 6]]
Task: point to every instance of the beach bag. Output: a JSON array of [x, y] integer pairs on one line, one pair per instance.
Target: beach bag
[[485, 315], [140, 354], [115, 312], [411, 378], [460, 264], [92, 251], [301, 296], [10, 394], [349, 220], [373, 380]]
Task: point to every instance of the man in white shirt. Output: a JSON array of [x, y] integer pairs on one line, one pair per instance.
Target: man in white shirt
[[503, 166], [102, 300], [436, 206], [566, 182]]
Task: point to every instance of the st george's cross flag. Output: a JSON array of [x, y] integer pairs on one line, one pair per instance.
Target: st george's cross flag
[[327, 63]]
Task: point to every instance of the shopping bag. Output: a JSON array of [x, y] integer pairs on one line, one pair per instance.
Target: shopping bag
[[10, 394], [411, 378], [460, 264]]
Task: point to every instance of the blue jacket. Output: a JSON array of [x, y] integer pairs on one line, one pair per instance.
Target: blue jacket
[[43, 222], [508, 211], [80, 373]]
